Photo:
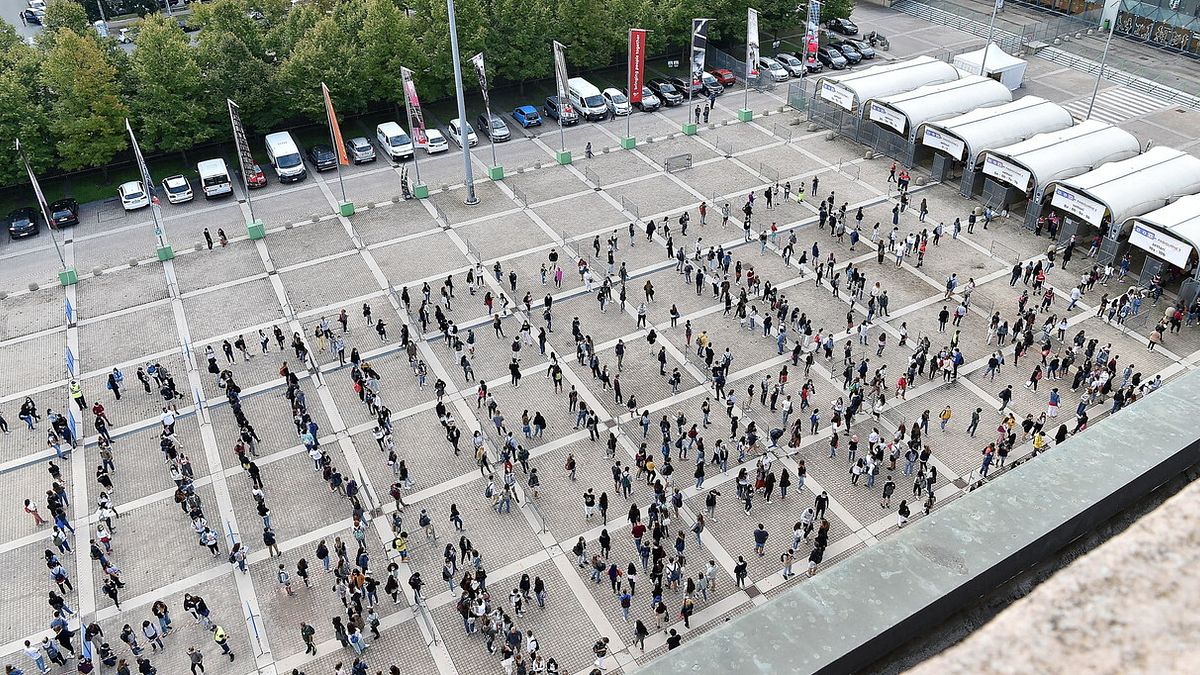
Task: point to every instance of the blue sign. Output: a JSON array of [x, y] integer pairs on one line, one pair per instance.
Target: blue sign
[[70, 311], [70, 362]]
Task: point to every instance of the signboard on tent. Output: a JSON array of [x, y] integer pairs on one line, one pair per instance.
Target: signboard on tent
[[1161, 245], [1077, 205], [1007, 171]]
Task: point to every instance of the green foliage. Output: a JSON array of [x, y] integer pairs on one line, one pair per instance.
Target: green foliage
[[87, 115], [836, 9], [68, 96], [168, 100], [66, 14]]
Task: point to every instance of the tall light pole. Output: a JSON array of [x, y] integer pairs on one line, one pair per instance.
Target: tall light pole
[[987, 47], [1112, 27], [471, 199]]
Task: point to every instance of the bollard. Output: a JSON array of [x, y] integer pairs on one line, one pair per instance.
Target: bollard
[[33, 286], [97, 271], [868, 155], [829, 135], [133, 262]]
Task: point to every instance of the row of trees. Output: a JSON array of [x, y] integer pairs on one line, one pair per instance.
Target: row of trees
[[66, 96]]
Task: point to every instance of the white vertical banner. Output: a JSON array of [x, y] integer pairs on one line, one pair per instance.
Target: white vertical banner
[[148, 186], [752, 48], [481, 74]]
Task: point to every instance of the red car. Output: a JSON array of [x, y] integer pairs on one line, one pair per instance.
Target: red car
[[255, 178], [723, 75]]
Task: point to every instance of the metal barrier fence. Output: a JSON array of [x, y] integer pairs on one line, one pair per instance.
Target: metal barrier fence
[[715, 58], [519, 195], [678, 163], [724, 145], [1004, 253], [782, 130], [440, 213], [631, 207], [591, 175], [849, 169], [797, 96], [768, 172]]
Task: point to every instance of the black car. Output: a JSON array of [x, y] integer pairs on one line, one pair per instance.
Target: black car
[[683, 86], [64, 213], [665, 91], [32, 18], [843, 26], [864, 48], [23, 223], [650, 101], [551, 110], [323, 157], [832, 58], [853, 56]]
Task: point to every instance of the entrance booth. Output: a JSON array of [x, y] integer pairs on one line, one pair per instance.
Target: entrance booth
[[1020, 172], [898, 116], [1168, 242], [957, 142], [1001, 66], [1101, 200], [837, 100]]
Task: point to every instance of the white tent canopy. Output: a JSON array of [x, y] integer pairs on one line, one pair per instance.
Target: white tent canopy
[[1171, 233], [1002, 66], [964, 137], [906, 112], [1032, 164], [850, 90], [1128, 188]]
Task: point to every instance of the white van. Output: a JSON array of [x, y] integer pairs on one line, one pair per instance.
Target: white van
[[214, 178], [394, 141], [285, 157], [587, 99]]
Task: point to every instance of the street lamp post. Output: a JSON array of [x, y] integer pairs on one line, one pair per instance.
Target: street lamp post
[[1112, 27], [471, 199]]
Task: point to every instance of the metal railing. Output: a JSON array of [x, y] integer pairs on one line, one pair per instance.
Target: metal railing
[[678, 163], [592, 176], [782, 129], [768, 172], [631, 207], [519, 195], [724, 145], [440, 213]]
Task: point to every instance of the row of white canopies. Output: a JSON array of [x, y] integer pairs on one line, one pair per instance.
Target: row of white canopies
[[1091, 170]]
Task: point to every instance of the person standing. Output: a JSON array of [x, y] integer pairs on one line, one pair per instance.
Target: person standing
[[222, 640], [308, 633], [196, 657]]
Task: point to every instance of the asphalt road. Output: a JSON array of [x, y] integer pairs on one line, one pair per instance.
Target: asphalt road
[[10, 11]]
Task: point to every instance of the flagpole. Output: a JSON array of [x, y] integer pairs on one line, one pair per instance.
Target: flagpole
[[987, 47], [159, 232], [487, 104], [468, 176], [235, 122], [41, 202], [562, 134]]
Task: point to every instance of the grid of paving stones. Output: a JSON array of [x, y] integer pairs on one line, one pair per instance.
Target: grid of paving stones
[[130, 316]]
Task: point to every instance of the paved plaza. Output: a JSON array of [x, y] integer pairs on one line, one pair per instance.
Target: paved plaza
[[313, 264]]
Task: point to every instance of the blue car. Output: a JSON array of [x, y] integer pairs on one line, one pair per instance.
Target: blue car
[[527, 116]]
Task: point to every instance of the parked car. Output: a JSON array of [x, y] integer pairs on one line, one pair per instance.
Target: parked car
[[568, 115], [852, 55], [712, 86], [649, 102], [124, 36], [831, 58], [813, 66], [322, 157], [178, 189], [37, 5], [793, 65], [682, 85], [864, 48], [33, 17], [359, 150], [773, 69], [23, 223], [133, 195], [435, 142], [255, 177], [617, 102], [495, 128], [394, 140], [64, 213], [843, 26], [665, 91], [527, 116], [454, 128], [724, 76]]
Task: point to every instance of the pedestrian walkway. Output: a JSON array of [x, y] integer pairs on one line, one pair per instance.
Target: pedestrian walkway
[[1116, 105]]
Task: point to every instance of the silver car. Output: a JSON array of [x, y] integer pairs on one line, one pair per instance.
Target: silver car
[[360, 150], [495, 129]]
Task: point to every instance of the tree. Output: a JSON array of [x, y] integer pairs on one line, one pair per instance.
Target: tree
[[433, 25], [388, 42], [66, 14], [229, 70], [322, 55], [587, 29], [168, 100], [834, 9], [87, 116], [519, 44], [22, 116], [229, 16]]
